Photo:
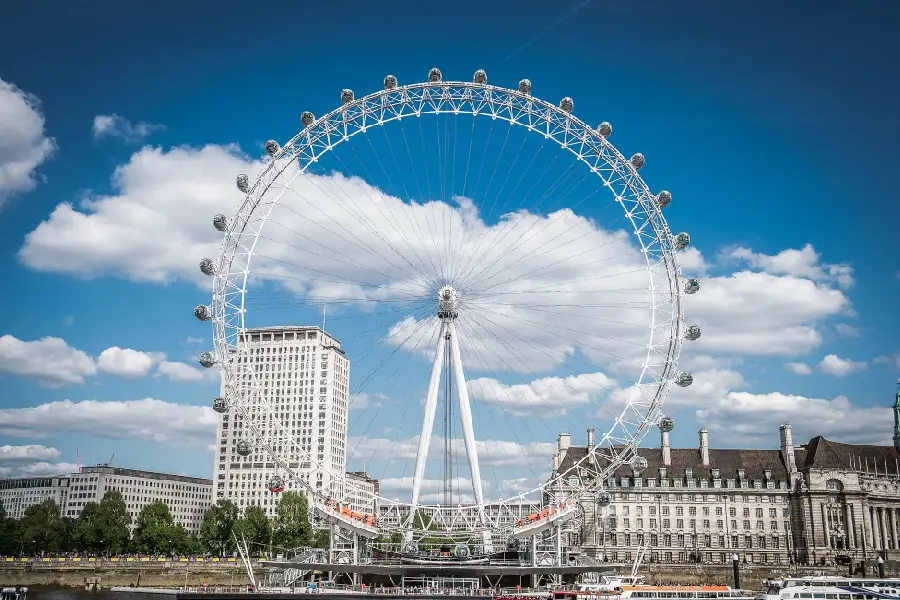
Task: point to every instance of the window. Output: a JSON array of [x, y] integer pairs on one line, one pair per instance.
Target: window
[[834, 485]]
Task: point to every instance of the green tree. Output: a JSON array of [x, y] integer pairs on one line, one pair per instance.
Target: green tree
[[320, 538], [292, 528], [7, 532], [84, 533], [41, 529], [216, 529], [113, 522], [155, 529], [256, 528]]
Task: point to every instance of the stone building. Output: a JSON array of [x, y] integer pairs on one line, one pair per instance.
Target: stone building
[[815, 503]]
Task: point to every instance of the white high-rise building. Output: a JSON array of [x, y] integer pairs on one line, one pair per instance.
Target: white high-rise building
[[304, 376]]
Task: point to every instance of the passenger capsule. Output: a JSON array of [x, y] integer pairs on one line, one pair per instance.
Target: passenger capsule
[[243, 448], [207, 267], [637, 161], [410, 548], [346, 96], [691, 286], [480, 77], [684, 379], [682, 240], [692, 333], [604, 499], [461, 551], [220, 405], [434, 75], [390, 82], [202, 312], [243, 183], [567, 104], [664, 198], [272, 147], [220, 222], [604, 129], [206, 360], [276, 484], [639, 464], [666, 424], [307, 118], [525, 87]]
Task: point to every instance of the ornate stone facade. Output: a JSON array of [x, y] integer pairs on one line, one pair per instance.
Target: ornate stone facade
[[809, 504]]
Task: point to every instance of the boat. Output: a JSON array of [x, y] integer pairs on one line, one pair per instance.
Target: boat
[[828, 587], [13, 593], [602, 591]]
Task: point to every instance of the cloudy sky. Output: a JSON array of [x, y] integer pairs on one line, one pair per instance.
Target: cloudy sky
[[772, 128]]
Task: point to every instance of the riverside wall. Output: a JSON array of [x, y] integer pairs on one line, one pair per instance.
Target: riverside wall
[[121, 572], [231, 572]]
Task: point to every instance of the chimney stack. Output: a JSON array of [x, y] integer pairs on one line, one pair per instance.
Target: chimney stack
[[704, 446], [787, 448], [563, 442], [666, 449], [590, 432]]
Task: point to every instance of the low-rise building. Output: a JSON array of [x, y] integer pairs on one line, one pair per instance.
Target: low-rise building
[[810, 504], [19, 493], [187, 497]]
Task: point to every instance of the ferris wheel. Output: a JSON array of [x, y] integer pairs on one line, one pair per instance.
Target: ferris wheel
[[492, 268]]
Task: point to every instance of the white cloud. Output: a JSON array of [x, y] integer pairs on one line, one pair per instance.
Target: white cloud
[[128, 363], [798, 368], [752, 420], [23, 144], [29, 453], [846, 330], [547, 396], [50, 361], [32, 459], [120, 127], [148, 419], [889, 360], [762, 314], [797, 263], [839, 367], [179, 372], [155, 229]]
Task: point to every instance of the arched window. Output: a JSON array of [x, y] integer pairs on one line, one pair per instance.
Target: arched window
[[834, 485]]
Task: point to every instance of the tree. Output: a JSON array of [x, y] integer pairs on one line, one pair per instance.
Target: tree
[[154, 529], [292, 528], [113, 521], [7, 532], [217, 527], [41, 529], [255, 527], [85, 531]]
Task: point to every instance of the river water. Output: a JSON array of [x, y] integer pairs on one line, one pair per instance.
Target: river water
[[58, 593]]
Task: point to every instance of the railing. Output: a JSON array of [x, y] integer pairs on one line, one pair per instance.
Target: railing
[[83, 560]]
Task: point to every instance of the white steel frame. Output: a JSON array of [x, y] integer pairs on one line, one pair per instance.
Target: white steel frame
[[666, 284]]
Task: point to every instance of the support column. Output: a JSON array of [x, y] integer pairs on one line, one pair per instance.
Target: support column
[[825, 528], [873, 525], [848, 526], [881, 529], [428, 420], [862, 527], [892, 515]]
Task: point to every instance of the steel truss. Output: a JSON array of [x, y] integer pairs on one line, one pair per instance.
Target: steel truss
[[558, 124]]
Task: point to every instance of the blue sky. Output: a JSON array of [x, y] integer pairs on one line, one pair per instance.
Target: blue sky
[[772, 125]]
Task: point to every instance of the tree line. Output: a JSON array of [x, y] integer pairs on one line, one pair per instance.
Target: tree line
[[106, 528]]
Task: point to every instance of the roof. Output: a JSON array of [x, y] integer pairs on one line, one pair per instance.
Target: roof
[[821, 453], [728, 461]]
